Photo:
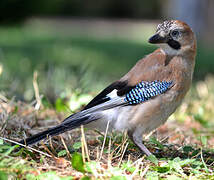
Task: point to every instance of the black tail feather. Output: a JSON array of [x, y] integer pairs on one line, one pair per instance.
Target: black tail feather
[[43, 135], [63, 127], [83, 117]]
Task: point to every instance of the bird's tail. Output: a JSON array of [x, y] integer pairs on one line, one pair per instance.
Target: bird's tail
[[74, 121], [61, 128]]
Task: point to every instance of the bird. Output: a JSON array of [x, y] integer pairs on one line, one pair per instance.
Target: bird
[[144, 98]]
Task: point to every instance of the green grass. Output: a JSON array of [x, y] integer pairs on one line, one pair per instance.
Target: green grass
[[66, 62], [63, 61]]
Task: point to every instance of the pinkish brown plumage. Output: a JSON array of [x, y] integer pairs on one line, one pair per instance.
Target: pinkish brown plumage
[[151, 106]]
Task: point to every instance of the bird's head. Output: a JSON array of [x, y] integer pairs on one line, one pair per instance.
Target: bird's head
[[174, 38]]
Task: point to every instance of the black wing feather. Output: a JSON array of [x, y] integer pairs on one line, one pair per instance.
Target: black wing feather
[[121, 86]]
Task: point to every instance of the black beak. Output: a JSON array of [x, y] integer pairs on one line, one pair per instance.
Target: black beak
[[157, 39]]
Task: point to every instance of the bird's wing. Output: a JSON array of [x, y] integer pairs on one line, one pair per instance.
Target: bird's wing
[[145, 81], [143, 91], [103, 97], [105, 94], [147, 69]]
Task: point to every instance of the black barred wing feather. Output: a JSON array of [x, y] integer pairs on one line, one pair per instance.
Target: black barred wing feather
[[146, 90]]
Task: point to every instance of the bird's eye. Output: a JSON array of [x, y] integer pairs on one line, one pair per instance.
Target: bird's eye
[[175, 33]]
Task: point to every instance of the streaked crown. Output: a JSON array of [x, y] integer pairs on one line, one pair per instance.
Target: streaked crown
[[174, 37]]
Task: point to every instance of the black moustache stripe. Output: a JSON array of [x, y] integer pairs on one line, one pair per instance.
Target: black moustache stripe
[[174, 44]]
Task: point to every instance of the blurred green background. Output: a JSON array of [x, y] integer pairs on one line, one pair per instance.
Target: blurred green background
[[79, 46]]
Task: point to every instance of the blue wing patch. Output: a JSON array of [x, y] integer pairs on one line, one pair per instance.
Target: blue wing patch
[[146, 90]]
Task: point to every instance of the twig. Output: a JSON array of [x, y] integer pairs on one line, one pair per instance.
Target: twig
[[83, 150], [97, 159], [121, 146], [148, 135], [51, 145], [137, 161], [36, 90], [124, 150], [136, 170], [123, 142], [45, 147], [129, 157], [27, 147], [145, 171], [118, 147], [109, 154], [84, 142], [115, 157], [101, 153], [202, 159], [66, 148]]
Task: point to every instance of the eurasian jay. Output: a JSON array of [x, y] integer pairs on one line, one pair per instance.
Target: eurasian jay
[[147, 95]]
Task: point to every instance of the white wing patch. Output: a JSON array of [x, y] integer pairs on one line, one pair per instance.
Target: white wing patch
[[113, 94]]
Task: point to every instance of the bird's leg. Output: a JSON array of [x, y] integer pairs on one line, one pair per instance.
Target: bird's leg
[[137, 139]]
